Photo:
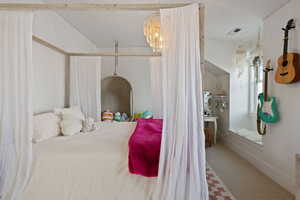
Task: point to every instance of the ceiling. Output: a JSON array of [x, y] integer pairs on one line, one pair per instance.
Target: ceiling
[[222, 16]]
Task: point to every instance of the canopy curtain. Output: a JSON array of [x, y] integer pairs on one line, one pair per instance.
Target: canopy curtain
[[182, 167], [16, 113], [156, 87], [85, 85]]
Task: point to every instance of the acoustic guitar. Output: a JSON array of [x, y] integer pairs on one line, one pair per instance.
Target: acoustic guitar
[[288, 70], [267, 107]]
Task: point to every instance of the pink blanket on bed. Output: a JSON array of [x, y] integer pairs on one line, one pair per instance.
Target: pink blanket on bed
[[144, 147]]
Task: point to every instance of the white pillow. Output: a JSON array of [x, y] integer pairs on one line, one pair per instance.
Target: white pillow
[[72, 119], [72, 113], [45, 126], [88, 125], [71, 127]]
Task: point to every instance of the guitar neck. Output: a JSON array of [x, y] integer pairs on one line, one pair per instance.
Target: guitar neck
[[285, 45], [266, 85]]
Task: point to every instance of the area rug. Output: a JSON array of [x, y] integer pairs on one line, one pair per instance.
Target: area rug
[[217, 189]]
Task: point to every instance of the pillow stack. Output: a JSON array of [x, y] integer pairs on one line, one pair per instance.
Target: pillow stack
[[67, 122]]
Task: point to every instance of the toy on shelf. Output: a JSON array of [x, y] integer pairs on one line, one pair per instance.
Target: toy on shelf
[[144, 115], [117, 117], [107, 116], [147, 115], [124, 117]]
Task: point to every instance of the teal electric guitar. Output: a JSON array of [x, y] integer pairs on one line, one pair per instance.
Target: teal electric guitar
[[267, 107]]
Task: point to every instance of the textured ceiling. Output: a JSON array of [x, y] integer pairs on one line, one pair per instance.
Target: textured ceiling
[[103, 27]]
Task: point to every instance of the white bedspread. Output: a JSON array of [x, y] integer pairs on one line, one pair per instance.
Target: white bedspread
[[91, 166]]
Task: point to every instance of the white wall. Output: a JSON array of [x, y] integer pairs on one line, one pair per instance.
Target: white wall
[[276, 157], [217, 81], [239, 100], [136, 70], [282, 141], [221, 53], [50, 67]]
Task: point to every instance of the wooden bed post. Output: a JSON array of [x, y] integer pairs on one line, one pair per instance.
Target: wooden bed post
[[67, 80]]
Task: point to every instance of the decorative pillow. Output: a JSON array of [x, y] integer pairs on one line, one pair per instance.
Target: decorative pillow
[[88, 125], [58, 112], [71, 126], [72, 113], [72, 119], [45, 126]]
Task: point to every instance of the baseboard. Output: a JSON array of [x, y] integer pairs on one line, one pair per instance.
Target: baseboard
[[253, 154]]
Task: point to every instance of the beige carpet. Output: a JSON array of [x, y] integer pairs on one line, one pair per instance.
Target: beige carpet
[[241, 178]]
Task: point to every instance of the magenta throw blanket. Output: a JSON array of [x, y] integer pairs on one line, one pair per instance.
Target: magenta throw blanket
[[144, 147]]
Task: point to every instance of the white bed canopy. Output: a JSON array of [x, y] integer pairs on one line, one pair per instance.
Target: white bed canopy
[[182, 161], [16, 110]]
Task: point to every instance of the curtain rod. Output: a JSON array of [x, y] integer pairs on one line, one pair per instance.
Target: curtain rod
[[49, 45], [88, 6], [57, 49], [116, 54]]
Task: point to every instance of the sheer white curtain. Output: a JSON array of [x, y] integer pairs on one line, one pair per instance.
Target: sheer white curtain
[[15, 102], [85, 84], [156, 87], [182, 169]]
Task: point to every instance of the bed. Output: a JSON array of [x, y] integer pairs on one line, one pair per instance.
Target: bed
[[90, 166]]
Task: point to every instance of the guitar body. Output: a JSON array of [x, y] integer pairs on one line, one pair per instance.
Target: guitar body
[[267, 110], [288, 70]]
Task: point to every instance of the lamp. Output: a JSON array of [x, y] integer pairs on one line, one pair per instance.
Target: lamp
[[152, 32]]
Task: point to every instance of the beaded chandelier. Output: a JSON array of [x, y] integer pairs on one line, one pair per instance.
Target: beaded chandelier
[[152, 32]]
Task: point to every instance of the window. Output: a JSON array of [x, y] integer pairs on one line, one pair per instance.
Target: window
[[255, 83], [247, 84]]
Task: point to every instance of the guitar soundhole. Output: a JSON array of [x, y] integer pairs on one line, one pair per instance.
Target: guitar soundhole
[[285, 63]]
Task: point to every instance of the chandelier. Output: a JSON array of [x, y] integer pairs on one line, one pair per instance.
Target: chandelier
[[152, 32]]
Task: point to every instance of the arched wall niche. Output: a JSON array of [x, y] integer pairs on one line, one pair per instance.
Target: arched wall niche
[[116, 95]]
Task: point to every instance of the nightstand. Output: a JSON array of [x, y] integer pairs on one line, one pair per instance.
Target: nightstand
[[212, 119]]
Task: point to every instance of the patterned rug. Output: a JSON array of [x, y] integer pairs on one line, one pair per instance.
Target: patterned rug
[[217, 189]]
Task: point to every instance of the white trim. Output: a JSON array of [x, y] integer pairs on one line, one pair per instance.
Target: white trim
[[254, 154], [240, 139], [246, 140]]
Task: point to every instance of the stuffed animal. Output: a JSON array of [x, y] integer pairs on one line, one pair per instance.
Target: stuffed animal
[[147, 115], [144, 115], [124, 117], [107, 116], [137, 115], [88, 124], [117, 117]]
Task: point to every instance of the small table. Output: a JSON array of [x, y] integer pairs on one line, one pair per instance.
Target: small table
[[213, 120]]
